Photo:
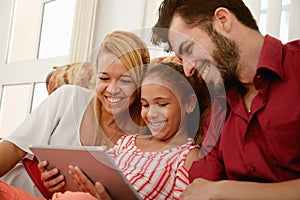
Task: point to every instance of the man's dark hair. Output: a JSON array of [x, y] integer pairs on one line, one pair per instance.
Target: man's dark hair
[[196, 13]]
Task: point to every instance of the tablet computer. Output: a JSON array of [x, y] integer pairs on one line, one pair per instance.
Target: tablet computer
[[93, 161]]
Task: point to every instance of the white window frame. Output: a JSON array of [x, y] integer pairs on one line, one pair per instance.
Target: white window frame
[[81, 45]]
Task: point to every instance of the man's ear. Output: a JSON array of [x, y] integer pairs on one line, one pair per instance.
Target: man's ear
[[190, 103], [223, 19]]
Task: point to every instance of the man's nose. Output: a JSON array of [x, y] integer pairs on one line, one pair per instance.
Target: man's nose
[[188, 68]]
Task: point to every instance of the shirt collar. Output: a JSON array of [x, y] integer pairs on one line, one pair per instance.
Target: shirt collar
[[271, 56]]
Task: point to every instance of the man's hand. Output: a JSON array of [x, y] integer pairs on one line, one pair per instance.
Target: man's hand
[[230, 189], [200, 189]]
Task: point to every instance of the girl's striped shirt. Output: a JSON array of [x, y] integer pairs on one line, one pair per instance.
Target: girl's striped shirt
[[154, 175]]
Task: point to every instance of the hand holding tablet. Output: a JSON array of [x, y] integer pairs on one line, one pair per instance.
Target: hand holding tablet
[[93, 161]]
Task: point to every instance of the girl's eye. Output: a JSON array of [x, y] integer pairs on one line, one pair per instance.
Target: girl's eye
[[145, 105], [103, 78], [162, 104]]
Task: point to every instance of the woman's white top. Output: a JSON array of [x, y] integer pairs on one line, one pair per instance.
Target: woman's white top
[[56, 121]]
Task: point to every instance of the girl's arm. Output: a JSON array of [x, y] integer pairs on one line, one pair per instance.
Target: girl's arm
[[85, 185], [10, 155], [182, 175], [192, 156]]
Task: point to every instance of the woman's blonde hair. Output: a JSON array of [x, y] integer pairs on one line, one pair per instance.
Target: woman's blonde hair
[[133, 53]]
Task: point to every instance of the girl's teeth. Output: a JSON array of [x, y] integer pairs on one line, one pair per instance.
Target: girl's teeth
[[156, 124]]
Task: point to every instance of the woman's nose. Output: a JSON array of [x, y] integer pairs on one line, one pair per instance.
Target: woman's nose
[[113, 87]]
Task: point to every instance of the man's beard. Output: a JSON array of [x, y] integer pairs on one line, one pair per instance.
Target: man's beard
[[226, 55]]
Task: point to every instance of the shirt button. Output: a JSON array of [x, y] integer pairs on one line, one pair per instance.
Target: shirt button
[[251, 169], [274, 162], [250, 133]]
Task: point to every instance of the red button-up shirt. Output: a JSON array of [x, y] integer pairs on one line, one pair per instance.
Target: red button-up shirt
[[264, 145]]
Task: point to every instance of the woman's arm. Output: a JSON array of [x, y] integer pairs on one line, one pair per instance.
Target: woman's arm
[[10, 155], [204, 189]]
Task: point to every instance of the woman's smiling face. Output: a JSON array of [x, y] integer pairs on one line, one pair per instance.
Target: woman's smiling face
[[115, 88]]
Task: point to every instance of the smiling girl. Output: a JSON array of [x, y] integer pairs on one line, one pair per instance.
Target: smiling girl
[[157, 164]]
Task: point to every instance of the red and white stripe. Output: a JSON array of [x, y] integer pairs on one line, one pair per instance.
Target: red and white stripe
[[155, 175]]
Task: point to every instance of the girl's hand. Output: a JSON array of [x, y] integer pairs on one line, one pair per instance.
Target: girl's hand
[[53, 181], [85, 185]]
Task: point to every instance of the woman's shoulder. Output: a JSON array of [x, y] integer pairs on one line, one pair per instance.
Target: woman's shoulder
[[72, 91]]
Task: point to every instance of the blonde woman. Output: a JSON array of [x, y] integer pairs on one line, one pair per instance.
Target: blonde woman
[[156, 164], [77, 116]]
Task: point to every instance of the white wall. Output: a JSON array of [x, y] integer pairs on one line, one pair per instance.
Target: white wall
[[129, 15], [6, 8]]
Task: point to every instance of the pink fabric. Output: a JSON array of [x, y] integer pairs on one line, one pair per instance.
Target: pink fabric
[[8, 192], [73, 196]]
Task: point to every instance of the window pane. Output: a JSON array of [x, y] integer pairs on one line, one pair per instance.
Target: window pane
[[284, 25], [263, 17], [25, 30], [39, 94], [14, 108], [57, 28]]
